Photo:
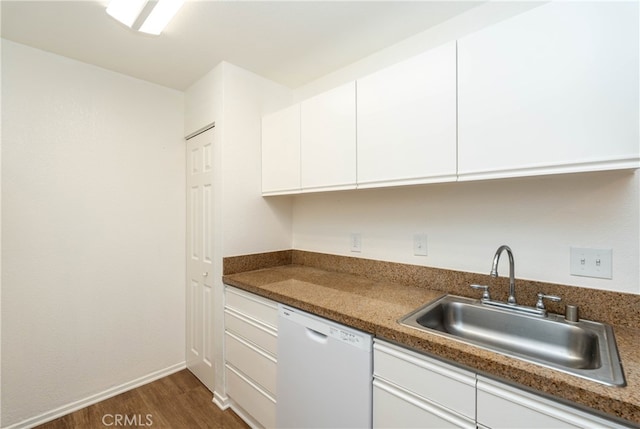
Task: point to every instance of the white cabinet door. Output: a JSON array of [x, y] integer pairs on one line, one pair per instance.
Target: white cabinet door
[[414, 391], [328, 135], [407, 121], [503, 406], [250, 356], [395, 408], [252, 361], [552, 90], [257, 308], [257, 407], [281, 151], [436, 382]]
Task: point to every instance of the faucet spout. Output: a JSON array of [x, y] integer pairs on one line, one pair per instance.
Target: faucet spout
[[512, 279]]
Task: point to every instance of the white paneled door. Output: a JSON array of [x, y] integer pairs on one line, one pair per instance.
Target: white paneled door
[[199, 353]]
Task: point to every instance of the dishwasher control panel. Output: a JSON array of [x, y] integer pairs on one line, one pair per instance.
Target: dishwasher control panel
[[345, 336], [319, 327]]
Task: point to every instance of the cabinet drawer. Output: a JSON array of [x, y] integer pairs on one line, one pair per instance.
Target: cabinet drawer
[[395, 408], [253, 306], [253, 331], [256, 402], [504, 406], [256, 364], [446, 385]]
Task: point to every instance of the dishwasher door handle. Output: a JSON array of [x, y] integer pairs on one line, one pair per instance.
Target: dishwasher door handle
[[316, 336]]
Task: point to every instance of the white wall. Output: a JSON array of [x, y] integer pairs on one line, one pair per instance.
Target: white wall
[[93, 232], [203, 101], [539, 218], [0, 227], [252, 224], [466, 222]]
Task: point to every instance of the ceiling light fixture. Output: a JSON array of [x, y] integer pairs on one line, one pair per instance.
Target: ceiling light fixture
[[132, 13]]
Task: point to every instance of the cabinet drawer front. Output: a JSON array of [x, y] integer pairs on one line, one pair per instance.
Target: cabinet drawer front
[[257, 333], [253, 306], [503, 406], [256, 364], [443, 384], [251, 398], [393, 408]]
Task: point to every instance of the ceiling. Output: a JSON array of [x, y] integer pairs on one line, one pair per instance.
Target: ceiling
[[290, 42]]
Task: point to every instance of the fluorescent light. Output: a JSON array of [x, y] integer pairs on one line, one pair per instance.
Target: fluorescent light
[[160, 16], [126, 11]]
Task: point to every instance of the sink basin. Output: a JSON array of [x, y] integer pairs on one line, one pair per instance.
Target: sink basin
[[585, 349]]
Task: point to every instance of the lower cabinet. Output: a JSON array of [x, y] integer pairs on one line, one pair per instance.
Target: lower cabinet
[[250, 356], [504, 406], [411, 390]]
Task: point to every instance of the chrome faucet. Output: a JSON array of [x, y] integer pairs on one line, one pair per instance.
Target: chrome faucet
[[511, 305], [512, 279]]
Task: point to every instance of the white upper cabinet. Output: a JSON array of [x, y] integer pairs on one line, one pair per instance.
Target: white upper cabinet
[[553, 90], [328, 136], [407, 121], [281, 152]]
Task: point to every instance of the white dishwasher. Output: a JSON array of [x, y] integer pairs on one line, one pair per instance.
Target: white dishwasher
[[325, 373]]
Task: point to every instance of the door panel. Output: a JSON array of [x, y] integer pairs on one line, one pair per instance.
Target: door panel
[[199, 348]]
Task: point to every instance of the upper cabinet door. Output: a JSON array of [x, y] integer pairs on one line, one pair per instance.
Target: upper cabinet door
[[407, 121], [328, 130], [281, 152], [553, 90]]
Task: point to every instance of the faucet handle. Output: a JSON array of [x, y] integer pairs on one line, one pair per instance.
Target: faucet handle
[[485, 293], [542, 296]]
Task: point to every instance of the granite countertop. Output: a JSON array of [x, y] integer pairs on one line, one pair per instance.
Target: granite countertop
[[374, 306]]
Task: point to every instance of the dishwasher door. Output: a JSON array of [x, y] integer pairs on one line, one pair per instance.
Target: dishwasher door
[[325, 373]]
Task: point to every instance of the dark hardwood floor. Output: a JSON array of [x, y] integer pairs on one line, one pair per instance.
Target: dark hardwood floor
[[175, 402]]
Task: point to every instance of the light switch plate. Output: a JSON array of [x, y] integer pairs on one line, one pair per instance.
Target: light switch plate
[[356, 242], [597, 263], [420, 244]]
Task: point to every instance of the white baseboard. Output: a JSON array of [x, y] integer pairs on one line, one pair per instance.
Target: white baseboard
[[221, 401], [93, 399], [246, 417]]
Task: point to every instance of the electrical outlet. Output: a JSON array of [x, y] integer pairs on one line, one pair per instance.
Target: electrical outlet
[[356, 242], [596, 263], [420, 244]]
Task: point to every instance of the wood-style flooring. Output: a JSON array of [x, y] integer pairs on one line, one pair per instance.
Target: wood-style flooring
[[178, 401]]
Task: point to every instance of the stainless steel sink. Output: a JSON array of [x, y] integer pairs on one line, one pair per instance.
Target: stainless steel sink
[[585, 349]]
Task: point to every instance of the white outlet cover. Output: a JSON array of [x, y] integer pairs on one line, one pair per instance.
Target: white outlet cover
[[420, 244], [596, 263], [356, 242]]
